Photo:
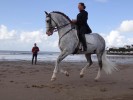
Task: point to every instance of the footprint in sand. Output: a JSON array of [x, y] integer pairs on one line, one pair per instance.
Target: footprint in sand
[[131, 88], [4, 70], [27, 86], [112, 83], [42, 86], [21, 72], [11, 81], [103, 90], [1, 74], [85, 84], [38, 86]]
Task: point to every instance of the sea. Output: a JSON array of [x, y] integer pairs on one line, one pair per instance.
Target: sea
[[52, 56]]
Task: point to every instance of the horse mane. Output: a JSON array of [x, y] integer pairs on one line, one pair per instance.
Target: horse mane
[[58, 12]]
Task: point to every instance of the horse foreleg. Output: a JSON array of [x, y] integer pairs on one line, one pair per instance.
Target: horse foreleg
[[59, 59], [89, 60]]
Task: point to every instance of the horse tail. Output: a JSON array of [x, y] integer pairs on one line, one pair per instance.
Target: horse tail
[[108, 66]]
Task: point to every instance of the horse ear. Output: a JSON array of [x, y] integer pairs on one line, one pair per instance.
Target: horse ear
[[46, 13]]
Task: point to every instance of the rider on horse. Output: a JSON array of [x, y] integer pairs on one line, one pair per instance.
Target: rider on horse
[[82, 26]]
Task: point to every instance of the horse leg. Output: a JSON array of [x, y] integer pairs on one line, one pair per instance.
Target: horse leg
[[89, 60], [99, 56], [59, 59]]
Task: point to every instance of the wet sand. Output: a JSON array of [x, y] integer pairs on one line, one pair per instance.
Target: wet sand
[[22, 81]]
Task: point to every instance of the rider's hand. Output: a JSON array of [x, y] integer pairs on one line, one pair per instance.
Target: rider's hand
[[74, 21]]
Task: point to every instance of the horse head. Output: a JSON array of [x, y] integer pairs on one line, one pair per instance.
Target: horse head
[[54, 20], [50, 24]]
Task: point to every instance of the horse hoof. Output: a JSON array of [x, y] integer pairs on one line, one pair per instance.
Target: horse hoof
[[81, 76], [67, 74], [53, 79], [96, 80]]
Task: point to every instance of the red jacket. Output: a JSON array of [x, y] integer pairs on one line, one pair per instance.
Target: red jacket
[[35, 50]]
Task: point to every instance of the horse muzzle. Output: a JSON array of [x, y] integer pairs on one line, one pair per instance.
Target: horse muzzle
[[49, 33]]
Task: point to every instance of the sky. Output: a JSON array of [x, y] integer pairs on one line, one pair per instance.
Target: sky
[[22, 22]]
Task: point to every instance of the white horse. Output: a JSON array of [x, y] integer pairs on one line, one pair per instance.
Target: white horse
[[68, 42]]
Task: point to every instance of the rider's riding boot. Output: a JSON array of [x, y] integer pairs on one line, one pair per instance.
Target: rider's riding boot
[[84, 49]]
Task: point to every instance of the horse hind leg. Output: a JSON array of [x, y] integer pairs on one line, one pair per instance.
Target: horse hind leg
[[99, 56], [89, 60], [56, 69]]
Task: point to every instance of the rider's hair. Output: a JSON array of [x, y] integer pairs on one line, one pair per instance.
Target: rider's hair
[[82, 4]]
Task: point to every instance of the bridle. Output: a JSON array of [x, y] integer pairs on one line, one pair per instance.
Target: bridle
[[57, 27]]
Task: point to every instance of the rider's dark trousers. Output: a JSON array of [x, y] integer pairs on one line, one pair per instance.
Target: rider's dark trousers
[[34, 56], [82, 39]]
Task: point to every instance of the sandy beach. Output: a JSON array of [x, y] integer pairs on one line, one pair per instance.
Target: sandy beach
[[19, 80]]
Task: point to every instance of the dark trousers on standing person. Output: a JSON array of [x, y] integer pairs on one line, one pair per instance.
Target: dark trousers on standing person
[[34, 57]]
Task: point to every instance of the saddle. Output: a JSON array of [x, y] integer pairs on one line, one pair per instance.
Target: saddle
[[79, 48], [89, 40]]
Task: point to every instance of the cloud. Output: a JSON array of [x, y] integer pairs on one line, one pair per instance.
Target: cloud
[[116, 38], [5, 34], [126, 26], [24, 40], [130, 40], [36, 36]]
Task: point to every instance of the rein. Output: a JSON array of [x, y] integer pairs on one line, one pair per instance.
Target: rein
[[67, 32], [59, 27]]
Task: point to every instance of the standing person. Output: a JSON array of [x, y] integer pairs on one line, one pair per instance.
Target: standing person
[[35, 51], [82, 26]]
